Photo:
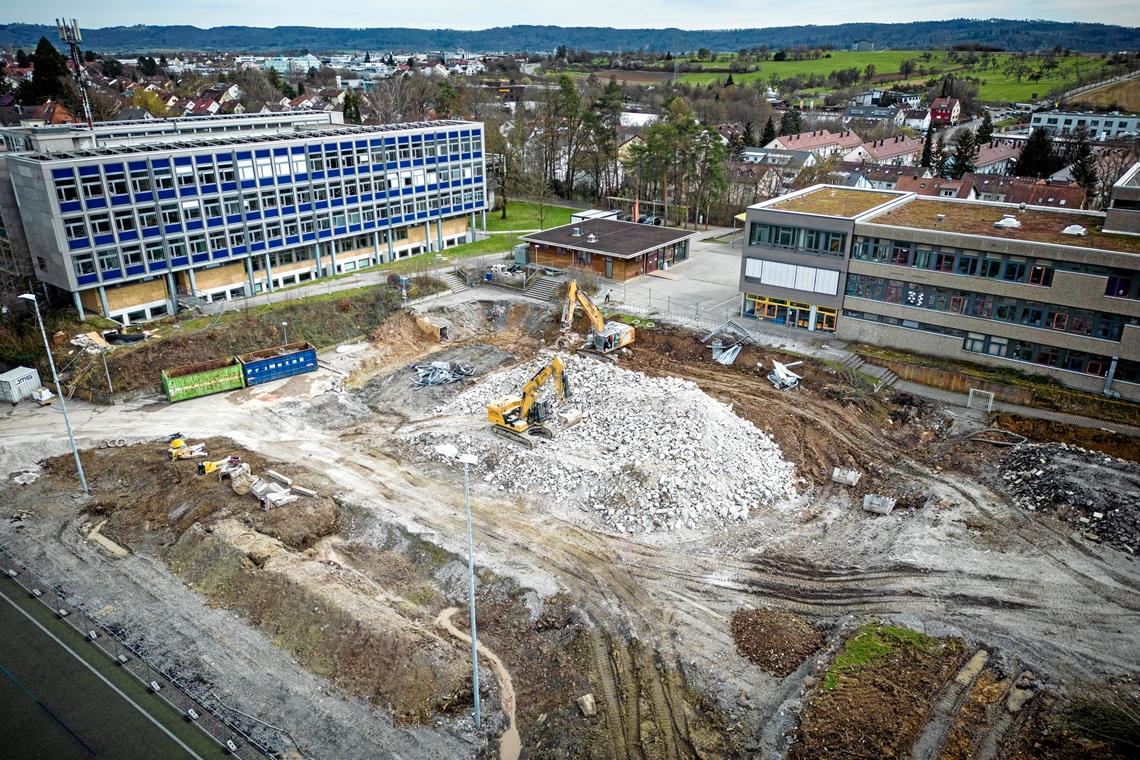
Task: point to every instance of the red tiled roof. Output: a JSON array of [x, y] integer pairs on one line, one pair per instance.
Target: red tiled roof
[[934, 186], [893, 146], [819, 139]]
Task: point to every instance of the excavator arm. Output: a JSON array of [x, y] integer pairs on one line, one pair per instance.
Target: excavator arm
[[576, 297], [555, 369]]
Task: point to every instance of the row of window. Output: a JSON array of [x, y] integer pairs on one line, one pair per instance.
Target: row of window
[[818, 242], [254, 205], [116, 179], [159, 253], [1018, 350], [985, 306], [1122, 283]]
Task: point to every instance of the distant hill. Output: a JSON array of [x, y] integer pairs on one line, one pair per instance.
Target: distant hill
[[919, 35]]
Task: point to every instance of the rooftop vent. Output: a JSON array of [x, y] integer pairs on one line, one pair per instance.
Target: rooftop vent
[[1075, 229], [576, 232], [940, 217], [591, 238], [1021, 206], [1007, 222]]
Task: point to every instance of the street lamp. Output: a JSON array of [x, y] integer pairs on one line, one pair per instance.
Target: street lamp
[[58, 389], [451, 452], [285, 329]]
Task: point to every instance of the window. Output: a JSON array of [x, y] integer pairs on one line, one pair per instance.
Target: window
[[268, 199], [84, 263], [217, 241], [177, 248], [100, 224], [997, 346], [232, 205], [991, 268], [211, 208], [944, 262], [251, 202], [66, 189], [92, 187], [1119, 285], [148, 217], [124, 221], [132, 255], [206, 174], [170, 214], [163, 180], [1060, 320], [281, 166], [155, 252], [264, 167], [191, 209], [975, 342], [1041, 274], [117, 182], [108, 260], [900, 254], [1014, 269], [225, 169], [140, 180], [967, 264], [245, 169], [185, 175], [287, 198], [75, 228], [1032, 316]]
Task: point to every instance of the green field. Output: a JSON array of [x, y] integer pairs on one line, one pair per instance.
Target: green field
[[523, 215], [997, 84]]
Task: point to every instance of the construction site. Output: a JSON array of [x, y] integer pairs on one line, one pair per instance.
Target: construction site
[[687, 544]]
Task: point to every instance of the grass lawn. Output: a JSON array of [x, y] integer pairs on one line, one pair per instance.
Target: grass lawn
[[523, 215]]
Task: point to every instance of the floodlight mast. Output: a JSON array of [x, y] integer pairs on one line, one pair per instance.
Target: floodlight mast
[[70, 35]]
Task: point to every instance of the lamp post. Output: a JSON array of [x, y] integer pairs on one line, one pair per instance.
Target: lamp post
[[451, 452], [285, 330], [58, 389]]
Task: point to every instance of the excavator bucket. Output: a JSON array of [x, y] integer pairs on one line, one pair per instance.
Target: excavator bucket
[[569, 418]]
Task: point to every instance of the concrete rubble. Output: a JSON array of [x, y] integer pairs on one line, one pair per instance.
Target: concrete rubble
[[652, 454]]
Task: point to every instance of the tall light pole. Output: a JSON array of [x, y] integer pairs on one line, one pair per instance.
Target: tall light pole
[[59, 390], [451, 452], [285, 329]]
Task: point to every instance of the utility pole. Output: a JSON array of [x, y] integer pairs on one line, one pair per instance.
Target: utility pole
[[70, 35]]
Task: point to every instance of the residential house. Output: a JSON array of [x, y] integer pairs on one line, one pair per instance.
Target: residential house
[[997, 156], [1005, 188], [821, 142], [884, 176], [945, 112], [937, 187], [887, 114], [134, 113], [48, 112], [917, 119], [222, 92], [900, 150], [204, 107], [772, 170]]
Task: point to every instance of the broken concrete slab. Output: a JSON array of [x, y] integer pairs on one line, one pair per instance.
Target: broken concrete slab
[[587, 705], [846, 477], [880, 505]]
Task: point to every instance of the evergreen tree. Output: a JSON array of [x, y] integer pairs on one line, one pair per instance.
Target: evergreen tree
[[927, 149], [748, 138], [985, 129], [728, 82], [1038, 157], [22, 59], [146, 66], [769, 133], [351, 108], [966, 151], [49, 75], [162, 61], [368, 57], [939, 157], [1082, 164], [790, 122]]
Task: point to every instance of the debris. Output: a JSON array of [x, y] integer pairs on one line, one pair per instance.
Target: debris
[[880, 505], [282, 479], [998, 437], [587, 705], [782, 378], [303, 492], [651, 454], [27, 477], [441, 373], [846, 477]]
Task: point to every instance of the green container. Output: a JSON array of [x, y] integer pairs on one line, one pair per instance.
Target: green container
[[194, 380]]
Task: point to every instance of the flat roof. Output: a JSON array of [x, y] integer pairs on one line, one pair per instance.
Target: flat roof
[[1039, 225], [611, 237], [828, 200]]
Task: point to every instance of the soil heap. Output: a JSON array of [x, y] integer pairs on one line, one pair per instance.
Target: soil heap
[[651, 454]]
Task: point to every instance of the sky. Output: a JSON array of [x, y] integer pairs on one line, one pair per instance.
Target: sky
[[466, 14]]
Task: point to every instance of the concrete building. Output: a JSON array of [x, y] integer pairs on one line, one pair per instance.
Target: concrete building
[[1100, 126], [139, 217], [615, 250], [1043, 290]]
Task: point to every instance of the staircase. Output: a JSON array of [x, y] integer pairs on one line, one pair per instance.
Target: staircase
[[454, 282], [853, 362], [886, 380], [189, 302], [543, 287]]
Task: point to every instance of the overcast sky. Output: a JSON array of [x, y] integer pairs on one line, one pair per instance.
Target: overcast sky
[[465, 14]]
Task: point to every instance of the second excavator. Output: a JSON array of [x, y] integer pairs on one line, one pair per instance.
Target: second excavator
[[605, 337], [517, 418]]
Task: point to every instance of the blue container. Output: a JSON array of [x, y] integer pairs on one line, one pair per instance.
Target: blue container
[[275, 363]]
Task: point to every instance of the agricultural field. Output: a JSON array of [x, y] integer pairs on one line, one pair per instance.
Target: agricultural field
[[1124, 96], [998, 81]]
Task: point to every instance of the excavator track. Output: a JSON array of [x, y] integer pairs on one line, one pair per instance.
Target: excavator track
[[511, 435]]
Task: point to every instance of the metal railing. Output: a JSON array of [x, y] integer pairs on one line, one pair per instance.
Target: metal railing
[[229, 737]]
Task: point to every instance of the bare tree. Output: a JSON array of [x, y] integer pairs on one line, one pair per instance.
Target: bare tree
[[399, 98], [105, 106]]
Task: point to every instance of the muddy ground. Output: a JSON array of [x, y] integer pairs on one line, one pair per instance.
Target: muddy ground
[[334, 601]]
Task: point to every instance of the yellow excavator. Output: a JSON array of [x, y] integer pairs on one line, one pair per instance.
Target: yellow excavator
[[178, 448], [516, 418], [605, 337]]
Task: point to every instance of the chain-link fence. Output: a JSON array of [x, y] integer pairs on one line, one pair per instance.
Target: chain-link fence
[[159, 684]]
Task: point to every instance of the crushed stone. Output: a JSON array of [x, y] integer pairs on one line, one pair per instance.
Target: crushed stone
[[651, 454]]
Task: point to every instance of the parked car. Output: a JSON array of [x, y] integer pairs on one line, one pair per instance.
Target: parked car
[[649, 220]]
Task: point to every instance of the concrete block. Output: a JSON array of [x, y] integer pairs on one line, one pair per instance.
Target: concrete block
[[846, 477], [279, 477], [587, 705], [303, 491], [880, 505]]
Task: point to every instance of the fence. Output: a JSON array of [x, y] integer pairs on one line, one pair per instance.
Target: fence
[[694, 313], [209, 720], [953, 381]]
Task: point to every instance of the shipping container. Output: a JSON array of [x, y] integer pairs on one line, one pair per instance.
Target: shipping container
[[17, 384], [194, 380], [278, 362]]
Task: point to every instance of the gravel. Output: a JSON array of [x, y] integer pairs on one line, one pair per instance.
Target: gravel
[[651, 454]]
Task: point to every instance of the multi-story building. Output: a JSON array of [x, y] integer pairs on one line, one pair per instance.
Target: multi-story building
[[1100, 126], [138, 216], [1050, 291]]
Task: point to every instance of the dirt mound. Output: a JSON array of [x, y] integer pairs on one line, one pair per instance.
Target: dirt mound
[[776, 641], [1097, 439], [145, 495], [1094, 492], [500, 322], [395, 391], [877, 696]]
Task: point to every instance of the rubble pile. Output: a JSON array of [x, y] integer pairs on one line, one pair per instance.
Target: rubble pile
[[1094, 492], [651, 454]]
